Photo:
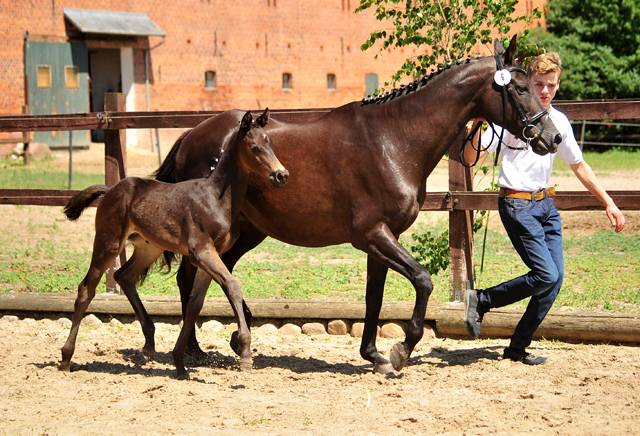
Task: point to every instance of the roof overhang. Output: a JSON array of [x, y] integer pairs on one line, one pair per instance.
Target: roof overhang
[[112, 23]]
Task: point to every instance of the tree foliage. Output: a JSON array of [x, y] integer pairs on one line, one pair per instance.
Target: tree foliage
[[599, 44], [444, 30]]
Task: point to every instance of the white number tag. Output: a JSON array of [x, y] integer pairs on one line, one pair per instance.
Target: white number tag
[[502, 77]]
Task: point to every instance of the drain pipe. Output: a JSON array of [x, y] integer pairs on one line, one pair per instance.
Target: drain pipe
[[146, 83]]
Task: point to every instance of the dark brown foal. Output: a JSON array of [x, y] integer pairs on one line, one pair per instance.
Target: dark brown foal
[[193, 218]]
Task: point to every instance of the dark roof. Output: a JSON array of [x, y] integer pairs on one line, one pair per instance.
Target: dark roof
[[112, 22]]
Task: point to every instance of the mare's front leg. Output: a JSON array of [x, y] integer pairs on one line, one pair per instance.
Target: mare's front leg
[[381, 245]]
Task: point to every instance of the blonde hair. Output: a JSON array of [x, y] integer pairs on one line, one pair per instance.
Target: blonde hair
[[545, 63]]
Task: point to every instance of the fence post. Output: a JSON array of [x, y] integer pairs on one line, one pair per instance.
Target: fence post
[[460, 230], [115, 167]]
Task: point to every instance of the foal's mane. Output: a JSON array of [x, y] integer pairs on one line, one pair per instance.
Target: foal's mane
[[415, 85]]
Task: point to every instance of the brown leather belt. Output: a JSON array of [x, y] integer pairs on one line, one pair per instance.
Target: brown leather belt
[[533, 196]]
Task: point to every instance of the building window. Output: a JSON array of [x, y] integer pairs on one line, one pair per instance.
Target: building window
[[286, 81], [331, 81], [210, 79], [71, 77], [44, 76], [371, 84]]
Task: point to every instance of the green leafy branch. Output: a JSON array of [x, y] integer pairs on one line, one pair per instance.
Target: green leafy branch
[[445, 30]]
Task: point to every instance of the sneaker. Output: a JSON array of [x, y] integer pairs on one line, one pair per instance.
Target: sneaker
[[473, 312], [520, 355]]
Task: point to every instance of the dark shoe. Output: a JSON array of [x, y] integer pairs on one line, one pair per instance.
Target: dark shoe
[[520, 355], [473, 312]]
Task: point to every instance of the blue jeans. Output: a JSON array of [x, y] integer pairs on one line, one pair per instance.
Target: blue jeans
[[535, 230]]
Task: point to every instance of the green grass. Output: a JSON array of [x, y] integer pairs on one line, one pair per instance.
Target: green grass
[[602, 270], [41, 175], [603, 163]]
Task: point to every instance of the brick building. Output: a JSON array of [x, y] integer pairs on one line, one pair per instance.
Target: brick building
[[189, 55]]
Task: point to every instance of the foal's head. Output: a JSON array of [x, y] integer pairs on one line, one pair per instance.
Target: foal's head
[[255, 152]]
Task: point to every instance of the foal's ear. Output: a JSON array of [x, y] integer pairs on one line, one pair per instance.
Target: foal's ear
[[245, 124], [264, 118]]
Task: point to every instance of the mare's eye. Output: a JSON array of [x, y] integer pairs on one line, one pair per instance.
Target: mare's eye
[[521, 89], [255, 149]]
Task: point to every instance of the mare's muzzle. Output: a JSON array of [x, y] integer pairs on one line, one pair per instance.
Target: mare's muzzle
[[279, 177]]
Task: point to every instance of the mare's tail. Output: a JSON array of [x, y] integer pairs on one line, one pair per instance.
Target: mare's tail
[[83, 200], [166, 171]]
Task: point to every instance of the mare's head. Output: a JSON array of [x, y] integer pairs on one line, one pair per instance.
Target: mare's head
[[514, 105], [255, 152]]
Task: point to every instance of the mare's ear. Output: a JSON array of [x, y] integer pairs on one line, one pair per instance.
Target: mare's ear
[[497, 47], [264, 118], [510, 54], [245, 124]]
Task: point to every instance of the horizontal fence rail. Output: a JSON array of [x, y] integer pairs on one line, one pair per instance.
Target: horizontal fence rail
[[435, 201], [460, 201]]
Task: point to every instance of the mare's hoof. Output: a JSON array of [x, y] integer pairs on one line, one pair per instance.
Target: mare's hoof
[[235, 345], [148, 355], [182, 375], [398, 356], [246, 365], [199, 356], [382, 368], [66, 367]]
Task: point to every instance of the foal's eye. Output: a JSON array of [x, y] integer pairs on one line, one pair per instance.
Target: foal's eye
[[255, 149]]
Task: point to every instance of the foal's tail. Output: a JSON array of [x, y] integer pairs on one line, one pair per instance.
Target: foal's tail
[[83, 200]]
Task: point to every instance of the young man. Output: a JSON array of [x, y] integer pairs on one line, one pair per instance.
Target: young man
[[530, 218]]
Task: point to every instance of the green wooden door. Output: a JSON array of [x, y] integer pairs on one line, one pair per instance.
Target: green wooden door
[[58, 77]]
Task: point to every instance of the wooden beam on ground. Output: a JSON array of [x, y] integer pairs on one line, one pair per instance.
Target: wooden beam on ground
[[448, 317]]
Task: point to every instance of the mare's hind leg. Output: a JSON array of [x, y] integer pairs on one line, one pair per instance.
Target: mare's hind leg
[[103, 256], [383, 246], [249, 238], [144, 255], [376, 277]]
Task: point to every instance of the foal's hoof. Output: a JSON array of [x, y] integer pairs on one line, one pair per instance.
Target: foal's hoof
[[398, 356], [246, 365], [382, 368], [64, 366], [235, 345]]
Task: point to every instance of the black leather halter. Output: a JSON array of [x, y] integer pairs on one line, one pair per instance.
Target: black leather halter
[[529, 123]]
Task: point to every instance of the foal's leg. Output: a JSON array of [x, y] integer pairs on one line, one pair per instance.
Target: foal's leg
[[104, 253], [209, 263], [185, 279], [383, 246], [144, 255]]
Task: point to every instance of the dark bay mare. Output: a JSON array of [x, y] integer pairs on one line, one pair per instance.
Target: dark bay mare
[[194, 218], [358, 175]]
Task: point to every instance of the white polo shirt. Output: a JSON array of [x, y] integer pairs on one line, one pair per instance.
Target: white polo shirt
[[523, 170]]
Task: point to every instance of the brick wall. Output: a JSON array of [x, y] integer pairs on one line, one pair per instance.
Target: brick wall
[[248, 43]]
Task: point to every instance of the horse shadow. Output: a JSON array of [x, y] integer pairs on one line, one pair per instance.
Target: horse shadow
[[134, 363], [440, 357]]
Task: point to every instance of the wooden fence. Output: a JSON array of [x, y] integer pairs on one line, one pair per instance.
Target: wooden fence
[[459, 201]]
